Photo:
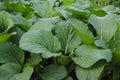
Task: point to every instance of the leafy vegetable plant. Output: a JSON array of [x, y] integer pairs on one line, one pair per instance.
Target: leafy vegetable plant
[[59, 40]]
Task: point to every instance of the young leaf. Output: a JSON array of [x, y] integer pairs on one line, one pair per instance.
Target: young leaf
[[19, 32], [53, 72], [34, 60], [5, 36], [5, 21], [87, 55], [11, 53], [68, 38], [104, 26], [44, 42], [82, 30]]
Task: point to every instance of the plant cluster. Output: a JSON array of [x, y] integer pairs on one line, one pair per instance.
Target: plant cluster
[[59, 40]]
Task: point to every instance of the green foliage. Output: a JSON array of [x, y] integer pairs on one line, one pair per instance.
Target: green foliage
[[59, 40], [105, 26]]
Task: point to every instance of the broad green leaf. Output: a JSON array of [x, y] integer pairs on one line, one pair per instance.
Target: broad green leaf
[[25, 75], [8, 70], [53, 72], [34, 60], [43, 8], [92, 73], [42, 25], [87, 55], [62, 33], [111, 9], [5, 21], [82, 30], [5, 36], [68, 38], [104, 26], [44, 42], [77, 9], [10, 53], [22, 22]]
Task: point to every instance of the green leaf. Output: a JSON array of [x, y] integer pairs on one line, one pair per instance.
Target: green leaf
[[97, 10], [111, 9], [5, 21], [82, 30], [8, 70], [25, 75], [44, 42], [34, 60], [64, 13], [15, 38], [22, 22], [5, 36], [11, 53], [100, 43], [20, 6], [87, 55], [77, 9], [83, 3], [67, 36], [43, 8], [69, 78], [11, 71], [92, 73], [42, 25], [64, 60], [53, 72], [67, 2], [52, 20], [104, 26], [115, 46]]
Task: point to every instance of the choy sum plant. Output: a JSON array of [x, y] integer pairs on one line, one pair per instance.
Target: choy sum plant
[[59, 40]]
